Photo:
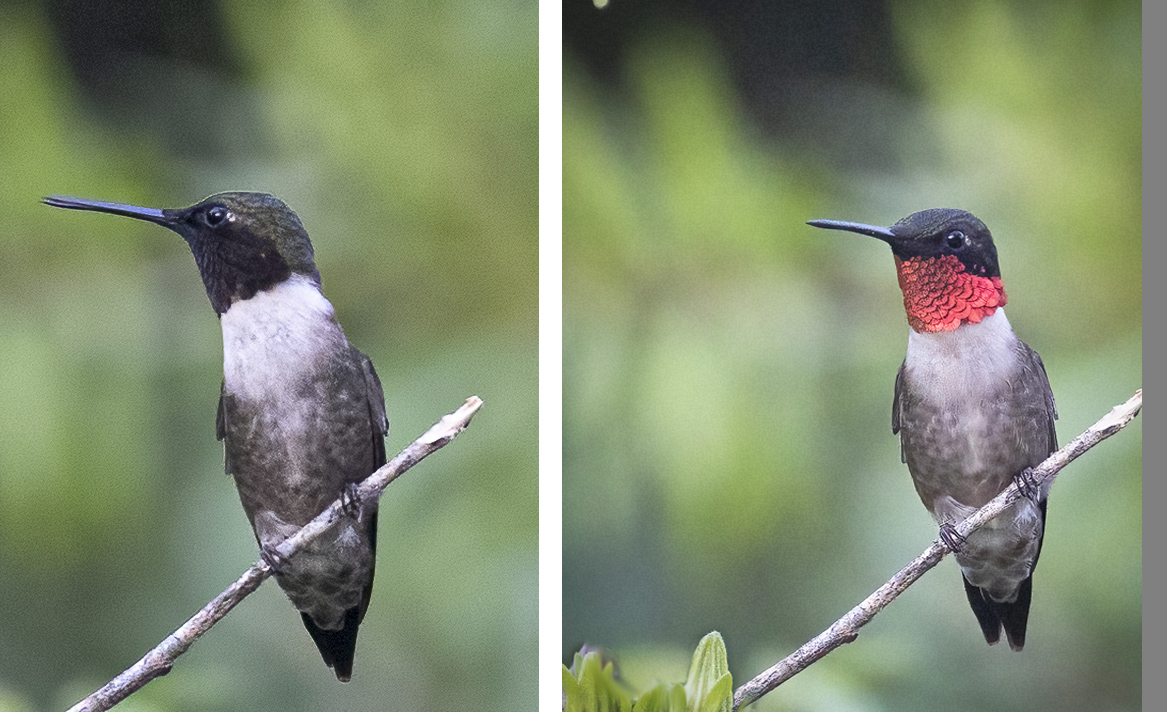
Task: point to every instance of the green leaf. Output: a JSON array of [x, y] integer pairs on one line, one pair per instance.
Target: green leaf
[[589, 686], [665, 697], [709, 686]]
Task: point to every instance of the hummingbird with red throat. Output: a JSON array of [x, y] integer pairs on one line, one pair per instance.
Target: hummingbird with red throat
[[973, 407]]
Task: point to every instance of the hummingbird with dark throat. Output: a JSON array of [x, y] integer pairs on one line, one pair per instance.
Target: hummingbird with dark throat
[[301, 412], [973, 407]]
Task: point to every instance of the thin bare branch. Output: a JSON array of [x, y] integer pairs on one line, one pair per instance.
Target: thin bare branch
[[846, 629], [161, 658]]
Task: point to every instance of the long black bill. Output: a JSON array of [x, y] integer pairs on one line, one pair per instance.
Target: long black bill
[[882, 233], [153, 215]]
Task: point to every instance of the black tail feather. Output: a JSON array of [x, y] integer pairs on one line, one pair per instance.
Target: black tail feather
[[337, 647], [985, 611], [993, 615], [1014, 616]]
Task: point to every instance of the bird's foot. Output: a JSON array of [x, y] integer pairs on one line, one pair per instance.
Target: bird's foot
[[953, 540], [350, 500], [275, 561], [1027, 485]]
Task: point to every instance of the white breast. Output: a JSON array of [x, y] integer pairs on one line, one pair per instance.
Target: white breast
[[973, 359], [276, 335]]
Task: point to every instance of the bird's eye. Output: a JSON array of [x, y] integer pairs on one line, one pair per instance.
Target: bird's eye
[[216, 216], [955, 239]]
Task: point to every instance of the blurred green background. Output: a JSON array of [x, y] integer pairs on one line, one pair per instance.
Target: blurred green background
[[728, 457], [405, 137]]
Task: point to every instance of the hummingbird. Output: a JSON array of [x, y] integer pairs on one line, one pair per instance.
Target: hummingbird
[[973, 407], [301, 412]]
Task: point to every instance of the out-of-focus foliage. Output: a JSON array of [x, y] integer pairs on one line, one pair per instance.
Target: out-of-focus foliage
[[405, 137], [728, 371], [591, 685]]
